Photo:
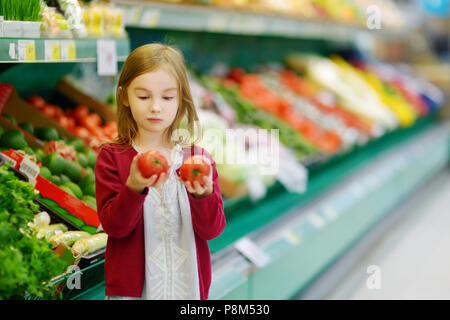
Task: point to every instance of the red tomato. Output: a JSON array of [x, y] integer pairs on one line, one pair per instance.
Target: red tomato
[[195, 168], [36, 101], [152, 162], [80, 112], [81, 132], [91, 121], [63, 121], [49, 110]]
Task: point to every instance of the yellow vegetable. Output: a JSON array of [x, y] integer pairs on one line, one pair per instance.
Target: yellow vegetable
[[68, 238], [88, 245], [49, 231]]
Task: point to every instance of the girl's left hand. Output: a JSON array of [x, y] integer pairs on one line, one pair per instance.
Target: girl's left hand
[[200, 190]]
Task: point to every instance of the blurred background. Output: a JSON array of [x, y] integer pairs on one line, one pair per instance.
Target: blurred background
[[358, 90]]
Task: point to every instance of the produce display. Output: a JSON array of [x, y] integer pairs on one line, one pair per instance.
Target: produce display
[[352, 12], [80, 121], [27, 263], [90, 244]]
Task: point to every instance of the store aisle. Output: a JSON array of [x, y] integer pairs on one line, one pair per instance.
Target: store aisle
[[413, 256]]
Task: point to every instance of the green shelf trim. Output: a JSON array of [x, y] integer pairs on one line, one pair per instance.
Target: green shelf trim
[[305, 249], [150, 15], [14, 50], [243, 216]]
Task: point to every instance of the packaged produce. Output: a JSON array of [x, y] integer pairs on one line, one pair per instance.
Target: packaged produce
[[89, 245], [49, 231], [68, 238], [40, 220], [72, 12]]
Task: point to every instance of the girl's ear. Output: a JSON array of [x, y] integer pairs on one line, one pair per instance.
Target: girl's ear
[[123, 97]]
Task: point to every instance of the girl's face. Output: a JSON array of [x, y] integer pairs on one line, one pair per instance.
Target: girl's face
[[153, 99]]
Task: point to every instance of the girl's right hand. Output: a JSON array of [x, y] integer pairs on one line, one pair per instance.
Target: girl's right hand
[[138, 183]]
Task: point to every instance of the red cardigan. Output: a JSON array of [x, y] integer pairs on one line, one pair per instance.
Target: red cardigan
[[120, 210]]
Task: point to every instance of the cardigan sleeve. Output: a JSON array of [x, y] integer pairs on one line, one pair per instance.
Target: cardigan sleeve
[[208, 216], [119, 208]]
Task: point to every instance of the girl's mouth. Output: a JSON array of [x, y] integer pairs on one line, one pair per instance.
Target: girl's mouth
[[154, 119]]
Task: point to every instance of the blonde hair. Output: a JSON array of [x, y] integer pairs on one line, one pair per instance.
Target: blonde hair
[[149, 58]]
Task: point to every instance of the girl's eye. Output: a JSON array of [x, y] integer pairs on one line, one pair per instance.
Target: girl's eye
[[143, 98], [168, 98]]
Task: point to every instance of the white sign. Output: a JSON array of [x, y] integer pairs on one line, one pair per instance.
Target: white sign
[[252, 252], [106, 58]]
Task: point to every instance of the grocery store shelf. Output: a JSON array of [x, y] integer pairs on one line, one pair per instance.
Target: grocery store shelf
[[56, 50], [347, 208], [309, 239], [204, 18]]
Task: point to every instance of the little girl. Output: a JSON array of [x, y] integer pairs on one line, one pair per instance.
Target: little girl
[[158, 227]]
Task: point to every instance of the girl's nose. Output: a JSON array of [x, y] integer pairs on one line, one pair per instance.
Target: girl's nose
[[155, 108]]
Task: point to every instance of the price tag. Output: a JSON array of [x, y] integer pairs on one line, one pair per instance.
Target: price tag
[[330, 212], [4, 159], [150, 18], [52, 50], [106, 58], [292, 237], [27, 50], [68, 50], [317, 220], [29, 168], [252, 252]]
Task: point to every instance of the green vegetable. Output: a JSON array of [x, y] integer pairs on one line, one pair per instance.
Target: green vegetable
[[20, 10], [86, 181], [91, 157], [82, 160], [72, 170], [77, 144], [64, 178], [28, 127], [75, 189], [26, 263], [54, 162], [46, 134], [56, 180], [1, 131], [90, 190], [45, 173], [13, 139], [39, 153], [28, 151]]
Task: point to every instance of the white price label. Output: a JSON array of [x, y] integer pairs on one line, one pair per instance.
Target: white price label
[[106, 58], [4, 159], [150, 18], [317, 220], [68, 50], [29, 168], [52, 50], [27, 50], [252, 252]]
